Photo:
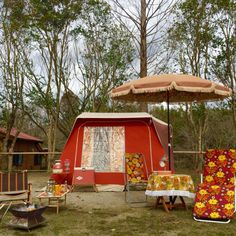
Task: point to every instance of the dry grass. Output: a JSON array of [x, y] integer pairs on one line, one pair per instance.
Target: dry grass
[[106, 214]]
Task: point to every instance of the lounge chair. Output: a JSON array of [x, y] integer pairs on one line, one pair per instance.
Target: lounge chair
[[215, 196]]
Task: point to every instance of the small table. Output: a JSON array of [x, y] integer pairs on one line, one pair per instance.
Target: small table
[[172, 186], [54, 200]]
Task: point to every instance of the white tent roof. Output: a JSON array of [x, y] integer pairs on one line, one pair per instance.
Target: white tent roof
[[99, 115]]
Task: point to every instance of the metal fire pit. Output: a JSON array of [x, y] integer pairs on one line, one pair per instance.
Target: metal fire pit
[[27, 217]]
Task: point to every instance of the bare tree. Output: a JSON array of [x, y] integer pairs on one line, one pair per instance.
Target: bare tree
[[49, 24], [191, 37], [12, 77], [223, 63], [146, 21], [103, 58]]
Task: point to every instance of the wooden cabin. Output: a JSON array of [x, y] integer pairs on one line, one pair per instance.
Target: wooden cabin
[[24, 143]]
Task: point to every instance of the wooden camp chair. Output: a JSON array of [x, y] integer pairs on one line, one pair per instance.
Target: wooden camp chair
[[14, 187], [135, 175], [215, 196]]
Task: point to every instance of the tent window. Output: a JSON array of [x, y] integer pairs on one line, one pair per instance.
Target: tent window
[[103, 148]]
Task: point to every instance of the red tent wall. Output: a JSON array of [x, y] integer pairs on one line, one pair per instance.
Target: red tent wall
[[140, 137]]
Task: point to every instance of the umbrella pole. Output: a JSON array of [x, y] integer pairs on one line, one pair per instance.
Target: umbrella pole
[[168, 122]]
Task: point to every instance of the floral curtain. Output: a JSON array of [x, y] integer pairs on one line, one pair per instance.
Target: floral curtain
[[103, 148]]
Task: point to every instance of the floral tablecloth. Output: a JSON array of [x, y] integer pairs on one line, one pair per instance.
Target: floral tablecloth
[[170, 185]]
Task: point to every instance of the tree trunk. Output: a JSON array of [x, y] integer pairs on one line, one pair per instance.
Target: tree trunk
[[233, 108], [50, 142], [143, 40], [4, 157], [143, 48], [199, 156], [6, 162], [143, 107], [11, 149]]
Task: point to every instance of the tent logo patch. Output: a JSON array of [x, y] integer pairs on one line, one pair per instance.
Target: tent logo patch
[[79, 178]]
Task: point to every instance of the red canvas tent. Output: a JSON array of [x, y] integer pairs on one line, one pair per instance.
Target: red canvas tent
[[100, 140]]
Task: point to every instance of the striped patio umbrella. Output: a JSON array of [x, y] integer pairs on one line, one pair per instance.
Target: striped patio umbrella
[[170, 88]]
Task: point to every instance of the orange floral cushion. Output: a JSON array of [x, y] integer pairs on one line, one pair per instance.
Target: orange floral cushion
[[135, 167], [214, 202]]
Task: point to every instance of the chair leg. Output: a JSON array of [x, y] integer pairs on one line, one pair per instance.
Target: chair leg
[[8, 207], [128, 195], [2, 205], [127, 192]]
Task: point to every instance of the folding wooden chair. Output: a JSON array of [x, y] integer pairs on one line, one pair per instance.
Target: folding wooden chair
[[136, 174], [14, 187]]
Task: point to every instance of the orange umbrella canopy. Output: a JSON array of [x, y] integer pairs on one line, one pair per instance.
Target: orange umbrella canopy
[[180, 87]]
